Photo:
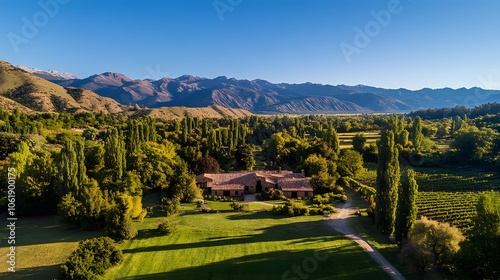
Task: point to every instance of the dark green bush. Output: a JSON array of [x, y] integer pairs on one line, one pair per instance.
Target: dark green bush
[[171, 206], [91, 259]]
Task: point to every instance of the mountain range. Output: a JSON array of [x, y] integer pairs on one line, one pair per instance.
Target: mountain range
[[260, 96]]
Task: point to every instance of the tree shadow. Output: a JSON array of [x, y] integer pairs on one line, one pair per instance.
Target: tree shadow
[[256, 216], [338, 263], [298, 232], [35, 273], [147, 233]]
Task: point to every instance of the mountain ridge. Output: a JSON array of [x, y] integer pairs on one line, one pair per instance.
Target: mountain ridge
[[261, 96]]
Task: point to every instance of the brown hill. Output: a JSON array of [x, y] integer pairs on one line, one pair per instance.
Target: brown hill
[[23, 90], [181, 112]]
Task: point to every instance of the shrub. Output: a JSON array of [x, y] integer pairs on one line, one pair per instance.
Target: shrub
[[236, 206], [328, 209], [271, 194], [119, 225], [171, 206], [167, 227], [290, 209], [91, 259]]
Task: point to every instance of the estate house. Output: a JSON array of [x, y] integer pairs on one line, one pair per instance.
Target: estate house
[[293, 185]]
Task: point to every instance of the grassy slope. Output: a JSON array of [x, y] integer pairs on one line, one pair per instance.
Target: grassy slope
[[228, 245]]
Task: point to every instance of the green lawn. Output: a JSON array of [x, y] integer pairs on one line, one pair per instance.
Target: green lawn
[[246, 245], [42, 244], [219, 245]]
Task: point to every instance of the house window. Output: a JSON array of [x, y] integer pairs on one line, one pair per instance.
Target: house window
[[306, 194], [294, 194], [236, 193], [226, 193]]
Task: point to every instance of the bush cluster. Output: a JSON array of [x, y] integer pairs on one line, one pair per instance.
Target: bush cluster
[[271, 194], [222, 198], [290, 209], [91, 259], [236, 206], [171, 206], [167, 227], [322, 210]]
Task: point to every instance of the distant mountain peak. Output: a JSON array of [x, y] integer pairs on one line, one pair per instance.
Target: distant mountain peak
[[49, 74]]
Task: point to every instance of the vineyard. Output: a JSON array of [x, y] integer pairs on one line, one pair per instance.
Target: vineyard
[[457, 179], [455, 208]]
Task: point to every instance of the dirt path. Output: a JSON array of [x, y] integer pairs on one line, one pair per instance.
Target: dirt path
[[339, 223]]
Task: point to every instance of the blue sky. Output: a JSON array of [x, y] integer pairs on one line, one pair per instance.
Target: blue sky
[[424, 43]]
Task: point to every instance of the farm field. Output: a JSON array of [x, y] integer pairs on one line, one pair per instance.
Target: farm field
[[346, 138], [247, 245]]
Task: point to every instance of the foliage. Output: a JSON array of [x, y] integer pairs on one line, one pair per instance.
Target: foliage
[[119, 224], [480, 255], [171, 206], [245, 157], [406, 212], [236, 206], [167, 227], [206, 164], [359, 142], [350, 163], [431, 246], [91, 259], [290, 209], [272, 194], [387, 183]]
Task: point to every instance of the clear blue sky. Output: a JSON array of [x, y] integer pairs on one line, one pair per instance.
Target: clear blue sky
[[426, 43]]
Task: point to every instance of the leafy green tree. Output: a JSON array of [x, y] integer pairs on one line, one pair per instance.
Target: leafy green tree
[[407, 205], [350, 163], [155, 164], [480, 255], [244, 157], [69, 209], [473, 143], [358, 142], [91, 214], [431, 246], [387, 183], [315, 165], [119, 224]]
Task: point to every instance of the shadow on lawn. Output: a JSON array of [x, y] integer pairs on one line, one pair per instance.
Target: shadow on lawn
[[36, 273], [342, 263], [297, 232], [256, 215]]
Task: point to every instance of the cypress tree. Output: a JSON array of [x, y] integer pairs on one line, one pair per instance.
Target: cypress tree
[[407, 205], [387, 183]]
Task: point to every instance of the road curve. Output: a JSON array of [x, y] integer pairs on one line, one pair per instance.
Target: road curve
[[338, 222]]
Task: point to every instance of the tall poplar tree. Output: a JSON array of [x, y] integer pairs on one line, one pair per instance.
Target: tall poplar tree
[[114, 154], [387, 183], [417, 136], [407, 205]]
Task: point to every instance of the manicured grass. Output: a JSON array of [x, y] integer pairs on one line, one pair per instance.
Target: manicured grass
[[244, 245], [42, 244]]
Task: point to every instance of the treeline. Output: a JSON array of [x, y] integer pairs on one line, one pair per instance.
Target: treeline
[[458, 111]]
